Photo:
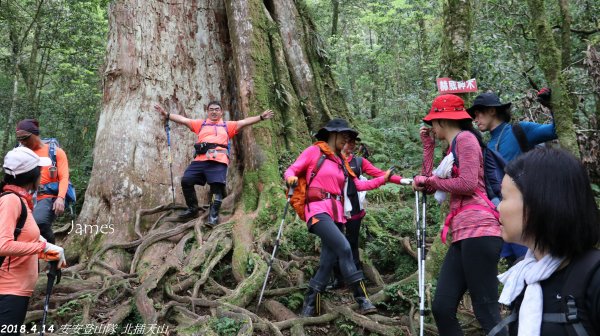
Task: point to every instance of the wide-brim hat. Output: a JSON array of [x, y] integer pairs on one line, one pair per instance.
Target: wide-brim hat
[[335, 125], [487, 99], [447, 106], [21, 160]]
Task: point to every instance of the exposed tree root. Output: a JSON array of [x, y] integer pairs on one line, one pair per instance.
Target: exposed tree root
[[194, 284]]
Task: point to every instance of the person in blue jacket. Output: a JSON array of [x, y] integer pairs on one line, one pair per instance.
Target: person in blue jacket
[[510, 139]]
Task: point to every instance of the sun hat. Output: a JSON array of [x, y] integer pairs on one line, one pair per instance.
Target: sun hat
[[447, 106], [335, 125], [487, 99]]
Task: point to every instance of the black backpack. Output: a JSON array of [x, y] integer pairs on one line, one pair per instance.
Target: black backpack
[[20, 223], [493, 171], [521, 137], [574, 312]]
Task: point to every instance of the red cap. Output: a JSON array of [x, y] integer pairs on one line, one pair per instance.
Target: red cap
[[447, 106]]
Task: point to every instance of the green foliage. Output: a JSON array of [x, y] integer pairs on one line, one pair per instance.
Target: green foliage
[[292, 301], [59, 77], [296, 239], [346, 327], [226, 326]]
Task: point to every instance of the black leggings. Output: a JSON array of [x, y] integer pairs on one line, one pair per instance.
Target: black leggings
[[13, 309], [470, 264], [334, 245], [353, 235]]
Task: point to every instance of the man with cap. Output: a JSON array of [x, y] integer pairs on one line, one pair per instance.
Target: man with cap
[[48, 205], [510, 140], [212, 156]]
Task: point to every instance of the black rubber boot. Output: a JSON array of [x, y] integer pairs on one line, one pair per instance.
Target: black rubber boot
[[215, 206], [360, 296], [189, 193], [312, 303]]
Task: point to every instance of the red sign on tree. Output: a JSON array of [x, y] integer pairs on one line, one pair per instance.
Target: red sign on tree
[[448, 85]]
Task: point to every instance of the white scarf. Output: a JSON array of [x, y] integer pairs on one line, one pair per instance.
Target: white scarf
[[444, 170], [530, 272]]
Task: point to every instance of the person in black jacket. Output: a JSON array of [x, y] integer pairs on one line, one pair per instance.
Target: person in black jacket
[[548, 205]]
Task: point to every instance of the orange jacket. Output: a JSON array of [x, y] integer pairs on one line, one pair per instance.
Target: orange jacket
[[214, 133], [62, 176], [22, 275]]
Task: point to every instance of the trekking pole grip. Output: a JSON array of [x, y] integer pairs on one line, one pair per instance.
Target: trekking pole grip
[[291, 190]]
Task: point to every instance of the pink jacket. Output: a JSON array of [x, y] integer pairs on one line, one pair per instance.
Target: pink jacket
[[462, 186], [330, 178]]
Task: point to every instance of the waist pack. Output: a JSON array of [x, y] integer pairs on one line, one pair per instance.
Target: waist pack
[[300, 198], [203, 147], [52, 189], [318, 194]]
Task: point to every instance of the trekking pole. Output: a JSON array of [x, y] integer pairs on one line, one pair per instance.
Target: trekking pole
[[168, 130], [422, 257], [287, 204], [52, 275]]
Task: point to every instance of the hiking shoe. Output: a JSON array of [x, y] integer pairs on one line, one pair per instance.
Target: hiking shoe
[[212, 221], [365, 306], [188, 214]]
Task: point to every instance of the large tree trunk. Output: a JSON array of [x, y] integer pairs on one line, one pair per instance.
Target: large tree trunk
[[458, 24], [252, 55], [550, 61]]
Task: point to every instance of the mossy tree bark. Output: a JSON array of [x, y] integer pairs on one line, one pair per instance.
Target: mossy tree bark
[[457, 28], [550, 61]]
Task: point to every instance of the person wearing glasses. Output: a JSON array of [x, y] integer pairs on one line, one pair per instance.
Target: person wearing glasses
[[211, 159]]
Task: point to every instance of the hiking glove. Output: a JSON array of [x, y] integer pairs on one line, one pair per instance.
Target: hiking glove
[[53, 253], [292, 181], [544, 96]]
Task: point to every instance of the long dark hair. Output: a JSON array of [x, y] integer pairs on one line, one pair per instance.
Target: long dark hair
[[21, 180]]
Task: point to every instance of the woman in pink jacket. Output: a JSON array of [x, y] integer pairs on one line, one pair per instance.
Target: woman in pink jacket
[[325, 210], [360, 165], [19, 255], [472, 259]]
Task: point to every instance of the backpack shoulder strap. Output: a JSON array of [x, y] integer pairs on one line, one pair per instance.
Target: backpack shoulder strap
[[453, 149], [359, 162], [317, 167], [573, 291], [52, 151], [574, 311], [521, 137], [20, 221]]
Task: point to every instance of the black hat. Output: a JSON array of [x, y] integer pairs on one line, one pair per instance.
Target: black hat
[[334, 125], [488, 99]]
